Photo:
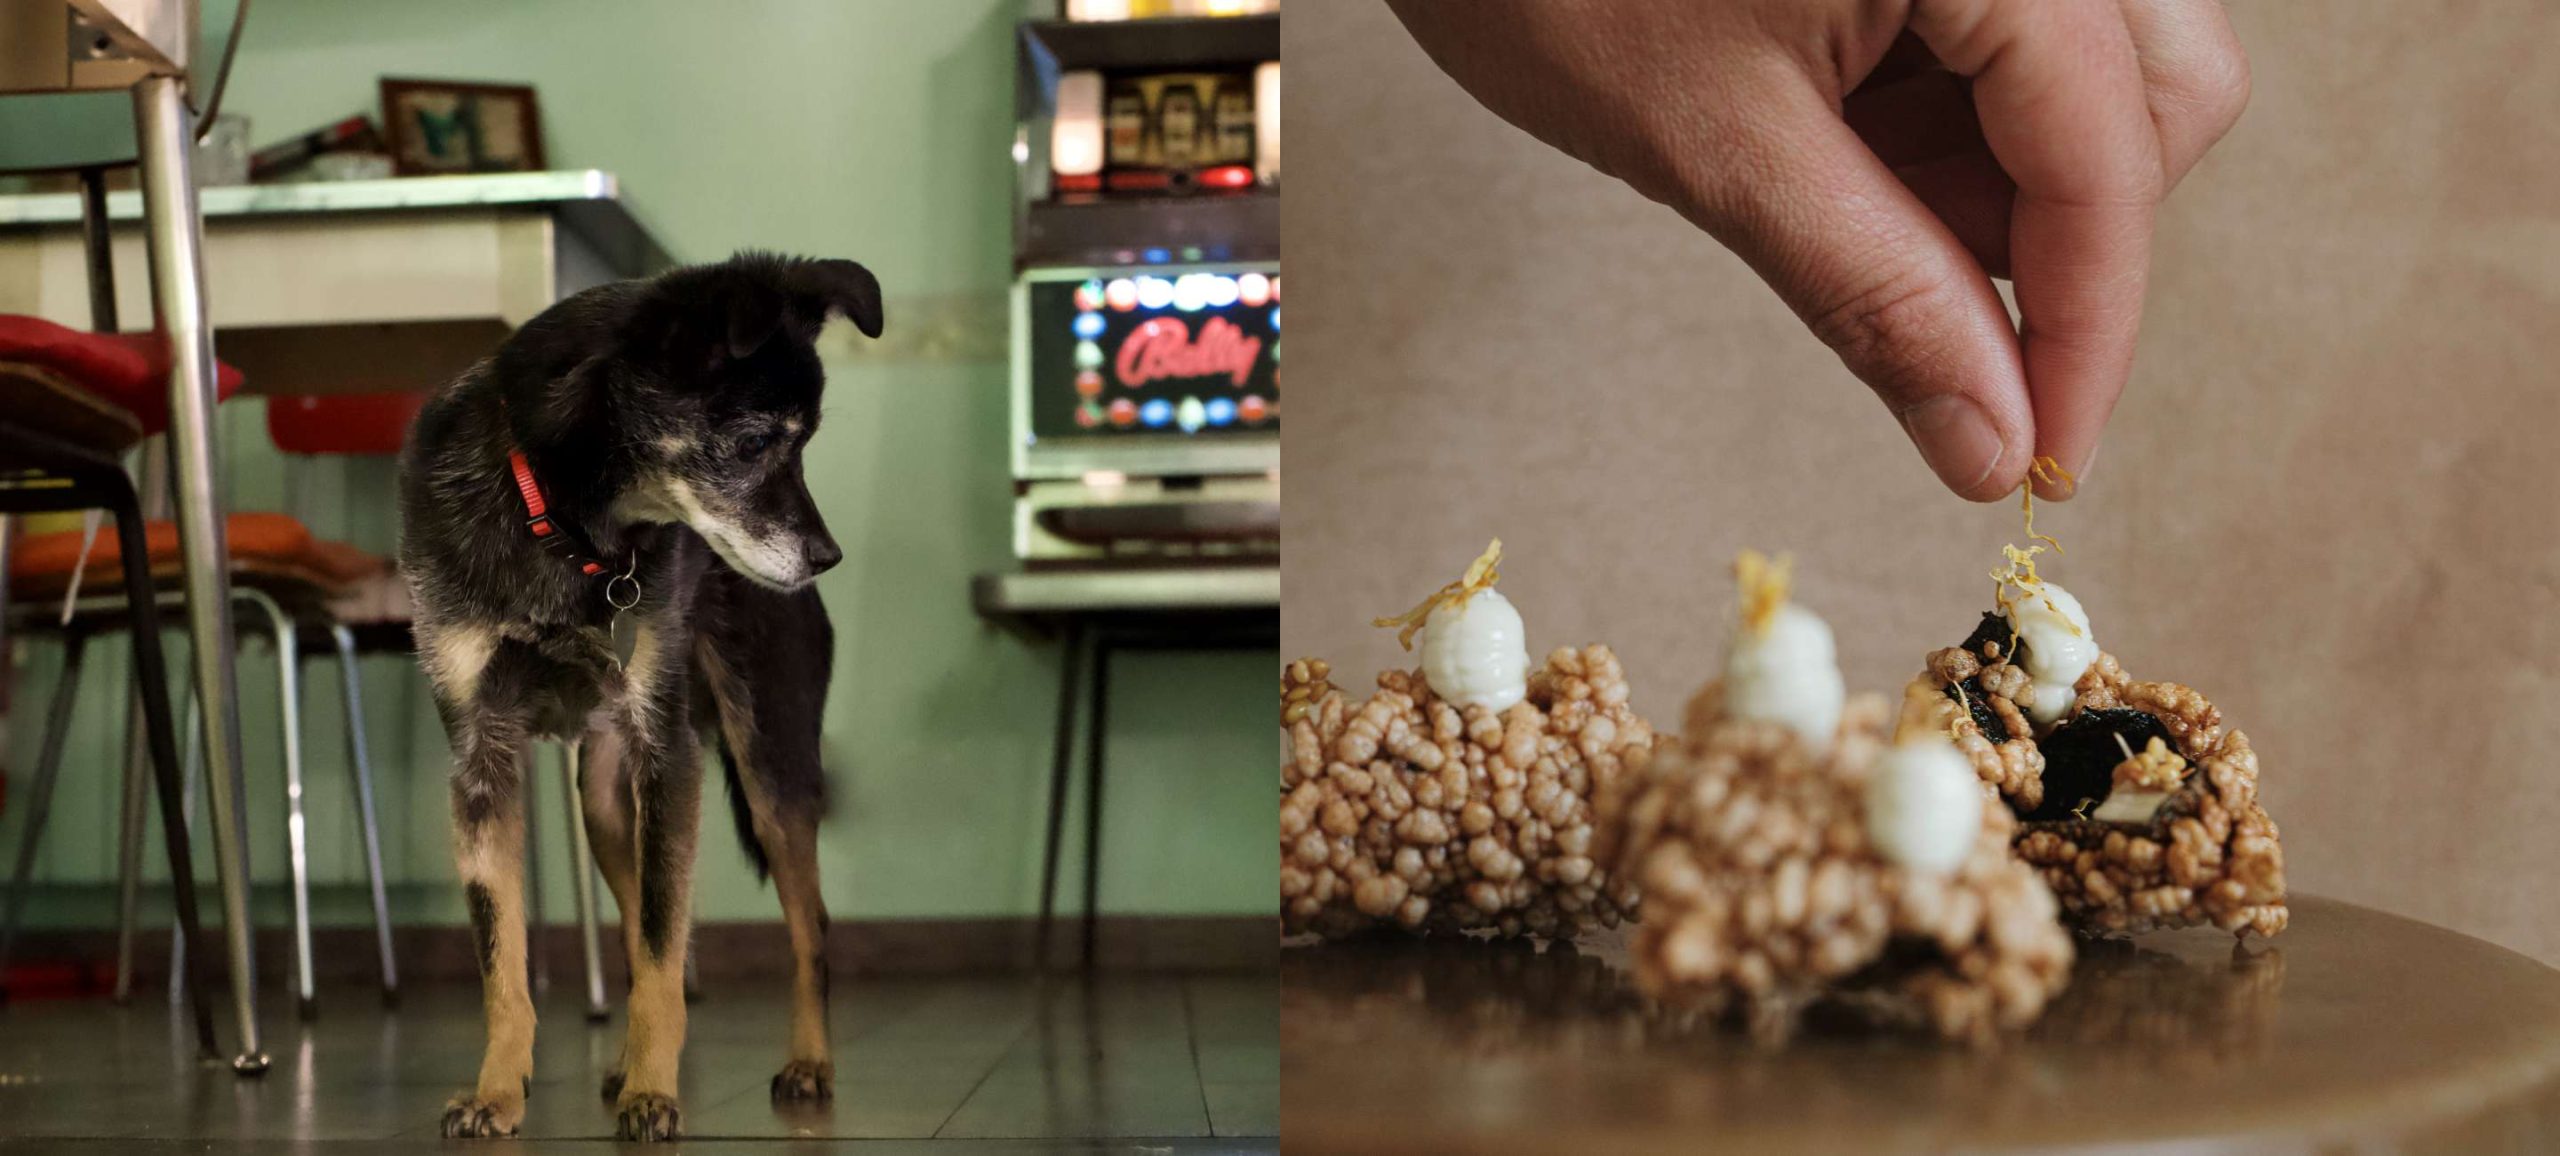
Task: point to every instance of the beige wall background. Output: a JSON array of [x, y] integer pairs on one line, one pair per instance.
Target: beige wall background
[[2326, 501]]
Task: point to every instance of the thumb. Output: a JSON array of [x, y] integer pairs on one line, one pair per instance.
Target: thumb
[[1880, 280]]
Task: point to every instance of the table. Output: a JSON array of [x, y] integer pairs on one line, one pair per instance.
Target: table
[[1099, 610], [351, 286], [2352, 1031]]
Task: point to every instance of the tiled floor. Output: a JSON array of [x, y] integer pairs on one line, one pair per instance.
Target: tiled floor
[[1182, 1063]]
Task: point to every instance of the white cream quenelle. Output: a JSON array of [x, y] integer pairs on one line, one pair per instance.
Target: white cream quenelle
[[2054, 633], [1475, 651], [1924, 806], [1782, 666]]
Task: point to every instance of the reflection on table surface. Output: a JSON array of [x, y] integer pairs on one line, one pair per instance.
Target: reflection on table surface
[[2353, 1024]]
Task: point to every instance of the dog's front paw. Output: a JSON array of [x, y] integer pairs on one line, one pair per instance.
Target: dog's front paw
[[468, 1117], [612, 1087], [804, 1081], [648, 1116]]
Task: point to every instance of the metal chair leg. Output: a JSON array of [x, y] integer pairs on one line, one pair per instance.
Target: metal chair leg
[[151, 677], [537, 960], [190, 769], [288, 641], [1061, 765], [360, 758], [164, 131], [154, 498], [582, 873], [1097, 725], [57, 728], [137, 769]]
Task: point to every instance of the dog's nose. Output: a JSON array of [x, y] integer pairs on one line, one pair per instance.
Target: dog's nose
[[821, 552]]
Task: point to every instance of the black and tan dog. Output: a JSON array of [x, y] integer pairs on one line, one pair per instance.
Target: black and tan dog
[[628, 464]]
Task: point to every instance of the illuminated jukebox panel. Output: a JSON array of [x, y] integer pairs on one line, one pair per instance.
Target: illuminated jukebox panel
[[1146, 413], [1160, 370]]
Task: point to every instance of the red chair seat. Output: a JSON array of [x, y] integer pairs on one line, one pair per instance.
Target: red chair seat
[[261, 545], [129, 369]]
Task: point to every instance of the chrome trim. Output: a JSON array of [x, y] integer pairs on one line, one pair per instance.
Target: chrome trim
[[392, 194], [1192, 588]]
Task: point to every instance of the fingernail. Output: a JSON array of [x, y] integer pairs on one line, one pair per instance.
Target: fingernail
[[2064, 492], [1956, 438]]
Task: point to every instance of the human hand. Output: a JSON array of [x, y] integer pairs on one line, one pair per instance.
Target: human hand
[[1878, 163]]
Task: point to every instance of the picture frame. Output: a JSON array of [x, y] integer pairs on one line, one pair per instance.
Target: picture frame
[[448, 127]]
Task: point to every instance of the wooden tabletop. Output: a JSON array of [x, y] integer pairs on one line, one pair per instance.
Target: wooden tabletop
[[2354, 1030]]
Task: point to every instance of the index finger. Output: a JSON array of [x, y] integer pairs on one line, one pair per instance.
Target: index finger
[[2059, 91]]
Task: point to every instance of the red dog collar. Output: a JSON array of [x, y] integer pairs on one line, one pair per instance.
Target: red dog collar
[[567, 542]]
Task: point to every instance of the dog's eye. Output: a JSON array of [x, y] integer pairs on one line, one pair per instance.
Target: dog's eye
[[754, 445]]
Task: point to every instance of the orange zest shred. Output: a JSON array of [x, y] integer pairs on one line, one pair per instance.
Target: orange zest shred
[[1762, 584], [2020, 573], [1481, 575]]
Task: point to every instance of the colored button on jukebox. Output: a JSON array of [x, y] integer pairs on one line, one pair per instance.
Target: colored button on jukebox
[[1124, 413]]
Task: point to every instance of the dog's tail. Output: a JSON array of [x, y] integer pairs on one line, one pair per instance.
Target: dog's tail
[[739, 811]]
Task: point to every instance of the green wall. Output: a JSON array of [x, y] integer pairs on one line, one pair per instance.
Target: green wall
[[872, 130]]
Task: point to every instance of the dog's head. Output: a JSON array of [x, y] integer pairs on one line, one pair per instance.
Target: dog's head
[[715, 394]]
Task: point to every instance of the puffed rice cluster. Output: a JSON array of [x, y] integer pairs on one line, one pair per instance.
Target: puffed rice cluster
[[1406, 810], [2209, 855], [1763, 890]]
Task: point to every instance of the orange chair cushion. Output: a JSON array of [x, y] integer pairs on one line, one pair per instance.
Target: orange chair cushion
[[128, 369], [261, 545]]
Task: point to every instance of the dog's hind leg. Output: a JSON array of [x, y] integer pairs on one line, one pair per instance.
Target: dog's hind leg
[[769, 696], [488, 839], [605, 794], [665, 774]]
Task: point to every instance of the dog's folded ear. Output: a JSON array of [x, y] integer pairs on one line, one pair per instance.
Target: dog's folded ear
[[844, 287], [703, 317], [755, 315]]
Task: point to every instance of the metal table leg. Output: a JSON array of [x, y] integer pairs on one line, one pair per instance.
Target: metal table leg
[[165, 130], [1096, 725], [1061, 764]]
